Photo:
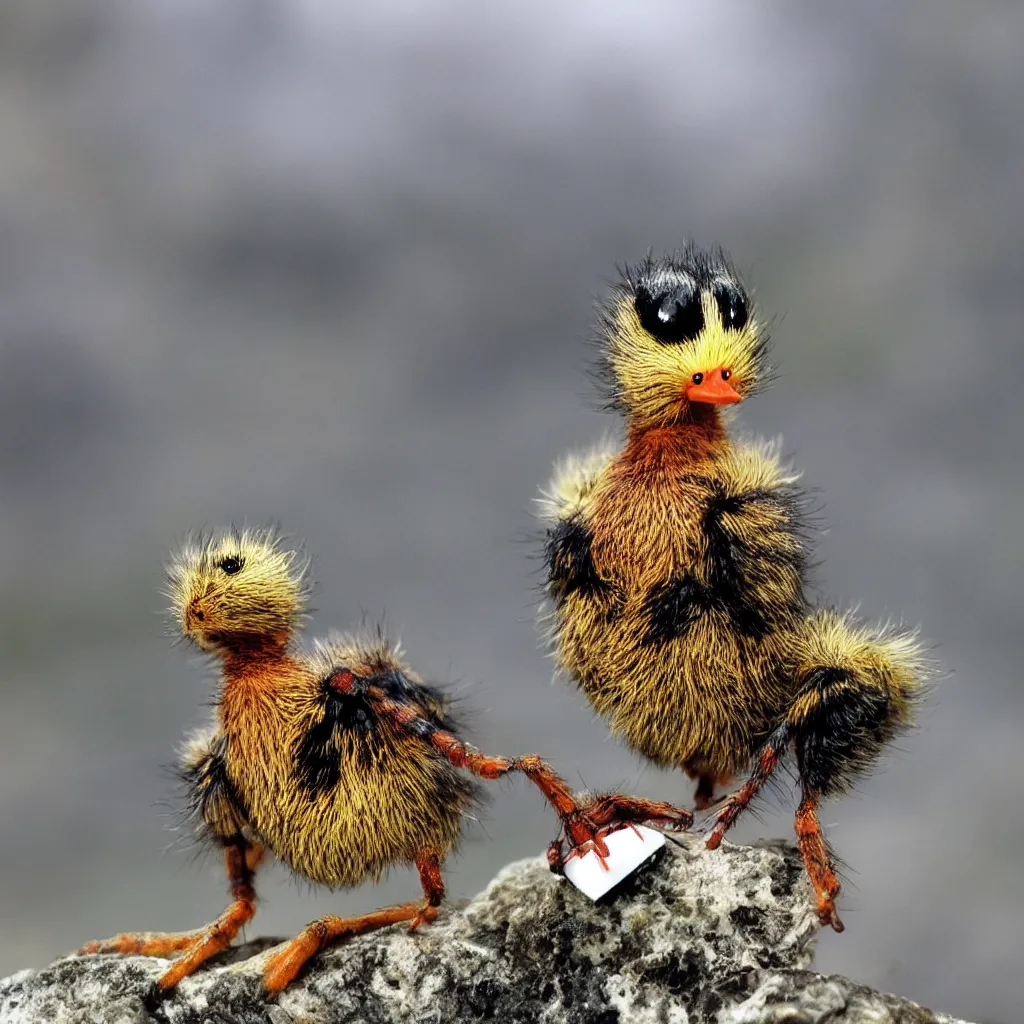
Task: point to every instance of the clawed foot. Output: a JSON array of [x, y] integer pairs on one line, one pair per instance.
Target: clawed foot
[[195, 948], [427, 915], [827, 914], [285, 964], [191, 949], [732, 805], [585, 828], [717, 834]]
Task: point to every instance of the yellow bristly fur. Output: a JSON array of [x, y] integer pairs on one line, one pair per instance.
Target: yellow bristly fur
[[264, 600], [681, 506], [394, 795], [573, 482]]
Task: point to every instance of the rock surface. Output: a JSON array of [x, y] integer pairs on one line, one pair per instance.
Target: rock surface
[[693, 937]]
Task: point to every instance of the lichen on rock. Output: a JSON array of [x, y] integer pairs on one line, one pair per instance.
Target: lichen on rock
[[693, 937]]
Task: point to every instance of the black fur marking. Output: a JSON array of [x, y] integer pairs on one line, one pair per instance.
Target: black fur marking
[[673, 607], [397, 686], [570, 561], [732, 562], [207, 781], [842, 731], [318, 757], [436, 705], [422, 728], [725, 575], [822, 679]]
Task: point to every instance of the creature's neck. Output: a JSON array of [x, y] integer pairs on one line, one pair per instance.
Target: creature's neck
[[693, 440], [248, 669]]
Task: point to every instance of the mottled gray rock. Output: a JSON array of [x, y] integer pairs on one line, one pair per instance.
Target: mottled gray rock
[[695, 936]]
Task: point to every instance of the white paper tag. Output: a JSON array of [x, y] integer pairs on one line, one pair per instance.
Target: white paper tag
[[628, 848]]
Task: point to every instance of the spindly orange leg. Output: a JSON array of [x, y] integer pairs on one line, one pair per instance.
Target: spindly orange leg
[[197, 947], [767, 762], [810, 840], [817, 861], [585, 828], [284, 966]]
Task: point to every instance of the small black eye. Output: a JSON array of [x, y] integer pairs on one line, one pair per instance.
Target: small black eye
[[231, 565], [698, 378], [670, 316], [732, 305]]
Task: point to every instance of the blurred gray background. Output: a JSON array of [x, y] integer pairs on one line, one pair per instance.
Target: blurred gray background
[[333, 265]]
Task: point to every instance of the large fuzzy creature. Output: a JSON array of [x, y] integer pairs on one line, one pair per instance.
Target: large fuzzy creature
[[336, 759], [676, 569]]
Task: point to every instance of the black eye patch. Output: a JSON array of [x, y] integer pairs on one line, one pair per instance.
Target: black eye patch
[[732, 305], [230, 565], [670, 316]]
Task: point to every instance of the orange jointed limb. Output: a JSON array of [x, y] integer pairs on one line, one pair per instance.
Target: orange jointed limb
[[461, 755], [214, 939], [582, 827], [284, 966], [814, 851], [240, 861], [767, 762], [428, 863], [615, 808]]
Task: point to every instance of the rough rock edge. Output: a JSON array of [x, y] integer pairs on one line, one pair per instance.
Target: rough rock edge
[[694, 937]]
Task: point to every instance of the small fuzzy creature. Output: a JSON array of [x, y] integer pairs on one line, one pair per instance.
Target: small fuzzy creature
[[676, 570], [337, 759]]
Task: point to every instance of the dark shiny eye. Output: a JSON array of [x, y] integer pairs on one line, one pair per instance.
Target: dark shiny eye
[[230, 565], [726, 374], [670, 316], [732, 305], [698, 378]]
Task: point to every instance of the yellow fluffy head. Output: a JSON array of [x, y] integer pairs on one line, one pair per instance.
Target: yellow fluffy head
[[241, 588], [678, 336]]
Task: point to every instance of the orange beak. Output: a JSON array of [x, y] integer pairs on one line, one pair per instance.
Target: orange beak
[[713, 390]]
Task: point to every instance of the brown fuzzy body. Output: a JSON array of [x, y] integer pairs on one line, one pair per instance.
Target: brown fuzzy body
[[336, 759], [698, 701], [390, 795], [706, 700], [676, 570]]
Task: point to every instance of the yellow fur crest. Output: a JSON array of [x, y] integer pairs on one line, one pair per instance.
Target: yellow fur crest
[[756, 464], [238, 584]]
